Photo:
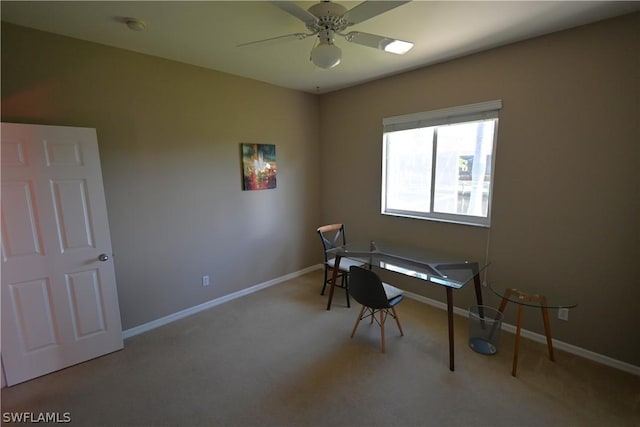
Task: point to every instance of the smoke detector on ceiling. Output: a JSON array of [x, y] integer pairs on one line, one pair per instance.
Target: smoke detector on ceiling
[[136, 24]]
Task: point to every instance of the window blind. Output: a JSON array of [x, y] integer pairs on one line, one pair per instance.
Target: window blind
[[471, 112]]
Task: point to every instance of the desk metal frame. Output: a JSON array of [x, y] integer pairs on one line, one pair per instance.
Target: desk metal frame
[[435, 277]]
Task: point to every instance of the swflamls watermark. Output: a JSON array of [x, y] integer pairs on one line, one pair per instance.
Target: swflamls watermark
[[36, 417]]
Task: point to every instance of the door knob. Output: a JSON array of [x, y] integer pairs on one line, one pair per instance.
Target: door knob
[[103, 257]]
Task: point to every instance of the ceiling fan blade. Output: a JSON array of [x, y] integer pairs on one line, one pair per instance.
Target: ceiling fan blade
[[279, 39], [295, 10], [387, 44], [369, 9]]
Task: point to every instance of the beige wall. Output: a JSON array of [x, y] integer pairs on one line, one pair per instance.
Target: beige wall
[[169, 138], [566, 202], [566, 196]]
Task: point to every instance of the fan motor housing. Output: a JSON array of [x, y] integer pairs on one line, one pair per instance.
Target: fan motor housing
[[330, 16]]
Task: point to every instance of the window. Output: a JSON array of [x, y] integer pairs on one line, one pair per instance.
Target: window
[[438, 165]]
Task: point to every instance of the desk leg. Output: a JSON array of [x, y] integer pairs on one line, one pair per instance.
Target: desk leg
[[478, 287], [547, 327], [450, 321], [515, 350], [334, 277]]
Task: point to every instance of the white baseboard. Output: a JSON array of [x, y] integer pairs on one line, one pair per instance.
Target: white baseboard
[[569, 348], [212, 303]]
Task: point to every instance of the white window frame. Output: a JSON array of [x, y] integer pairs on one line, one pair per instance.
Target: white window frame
[[461, 114]]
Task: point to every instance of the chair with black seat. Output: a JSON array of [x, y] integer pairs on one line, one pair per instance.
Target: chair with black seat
[[375, 296], [334, 235]]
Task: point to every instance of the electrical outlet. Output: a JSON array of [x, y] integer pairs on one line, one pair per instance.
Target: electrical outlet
[[205, 281], [563, 313]]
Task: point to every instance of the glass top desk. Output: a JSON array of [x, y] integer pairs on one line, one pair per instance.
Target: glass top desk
[[428, 266], [531, 298]]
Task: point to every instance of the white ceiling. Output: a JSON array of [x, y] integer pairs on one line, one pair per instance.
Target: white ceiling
[[206, 33]]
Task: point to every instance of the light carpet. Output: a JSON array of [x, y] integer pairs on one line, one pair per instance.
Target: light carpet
[[278, 358]]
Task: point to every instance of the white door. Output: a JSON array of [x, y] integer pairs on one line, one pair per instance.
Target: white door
[[59, 298]]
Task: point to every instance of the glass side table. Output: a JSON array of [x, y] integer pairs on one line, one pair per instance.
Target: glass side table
[[530, 299]]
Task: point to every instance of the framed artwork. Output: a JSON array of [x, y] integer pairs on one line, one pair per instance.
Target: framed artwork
[[258, 166]]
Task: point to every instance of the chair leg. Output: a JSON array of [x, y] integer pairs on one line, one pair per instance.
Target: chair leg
[[395, 316], [324, 284], [353, 332]]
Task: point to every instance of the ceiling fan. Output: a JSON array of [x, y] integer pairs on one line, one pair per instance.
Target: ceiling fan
[[326, 19]]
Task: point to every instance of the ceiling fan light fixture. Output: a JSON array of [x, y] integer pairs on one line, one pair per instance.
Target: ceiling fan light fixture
[[326, 55], [399, 47], [326, 19]]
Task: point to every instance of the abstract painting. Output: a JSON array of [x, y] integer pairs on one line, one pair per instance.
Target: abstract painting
[[258, 166]]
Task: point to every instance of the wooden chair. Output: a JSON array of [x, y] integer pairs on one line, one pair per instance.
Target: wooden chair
[[376, 297], [331, 236]]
